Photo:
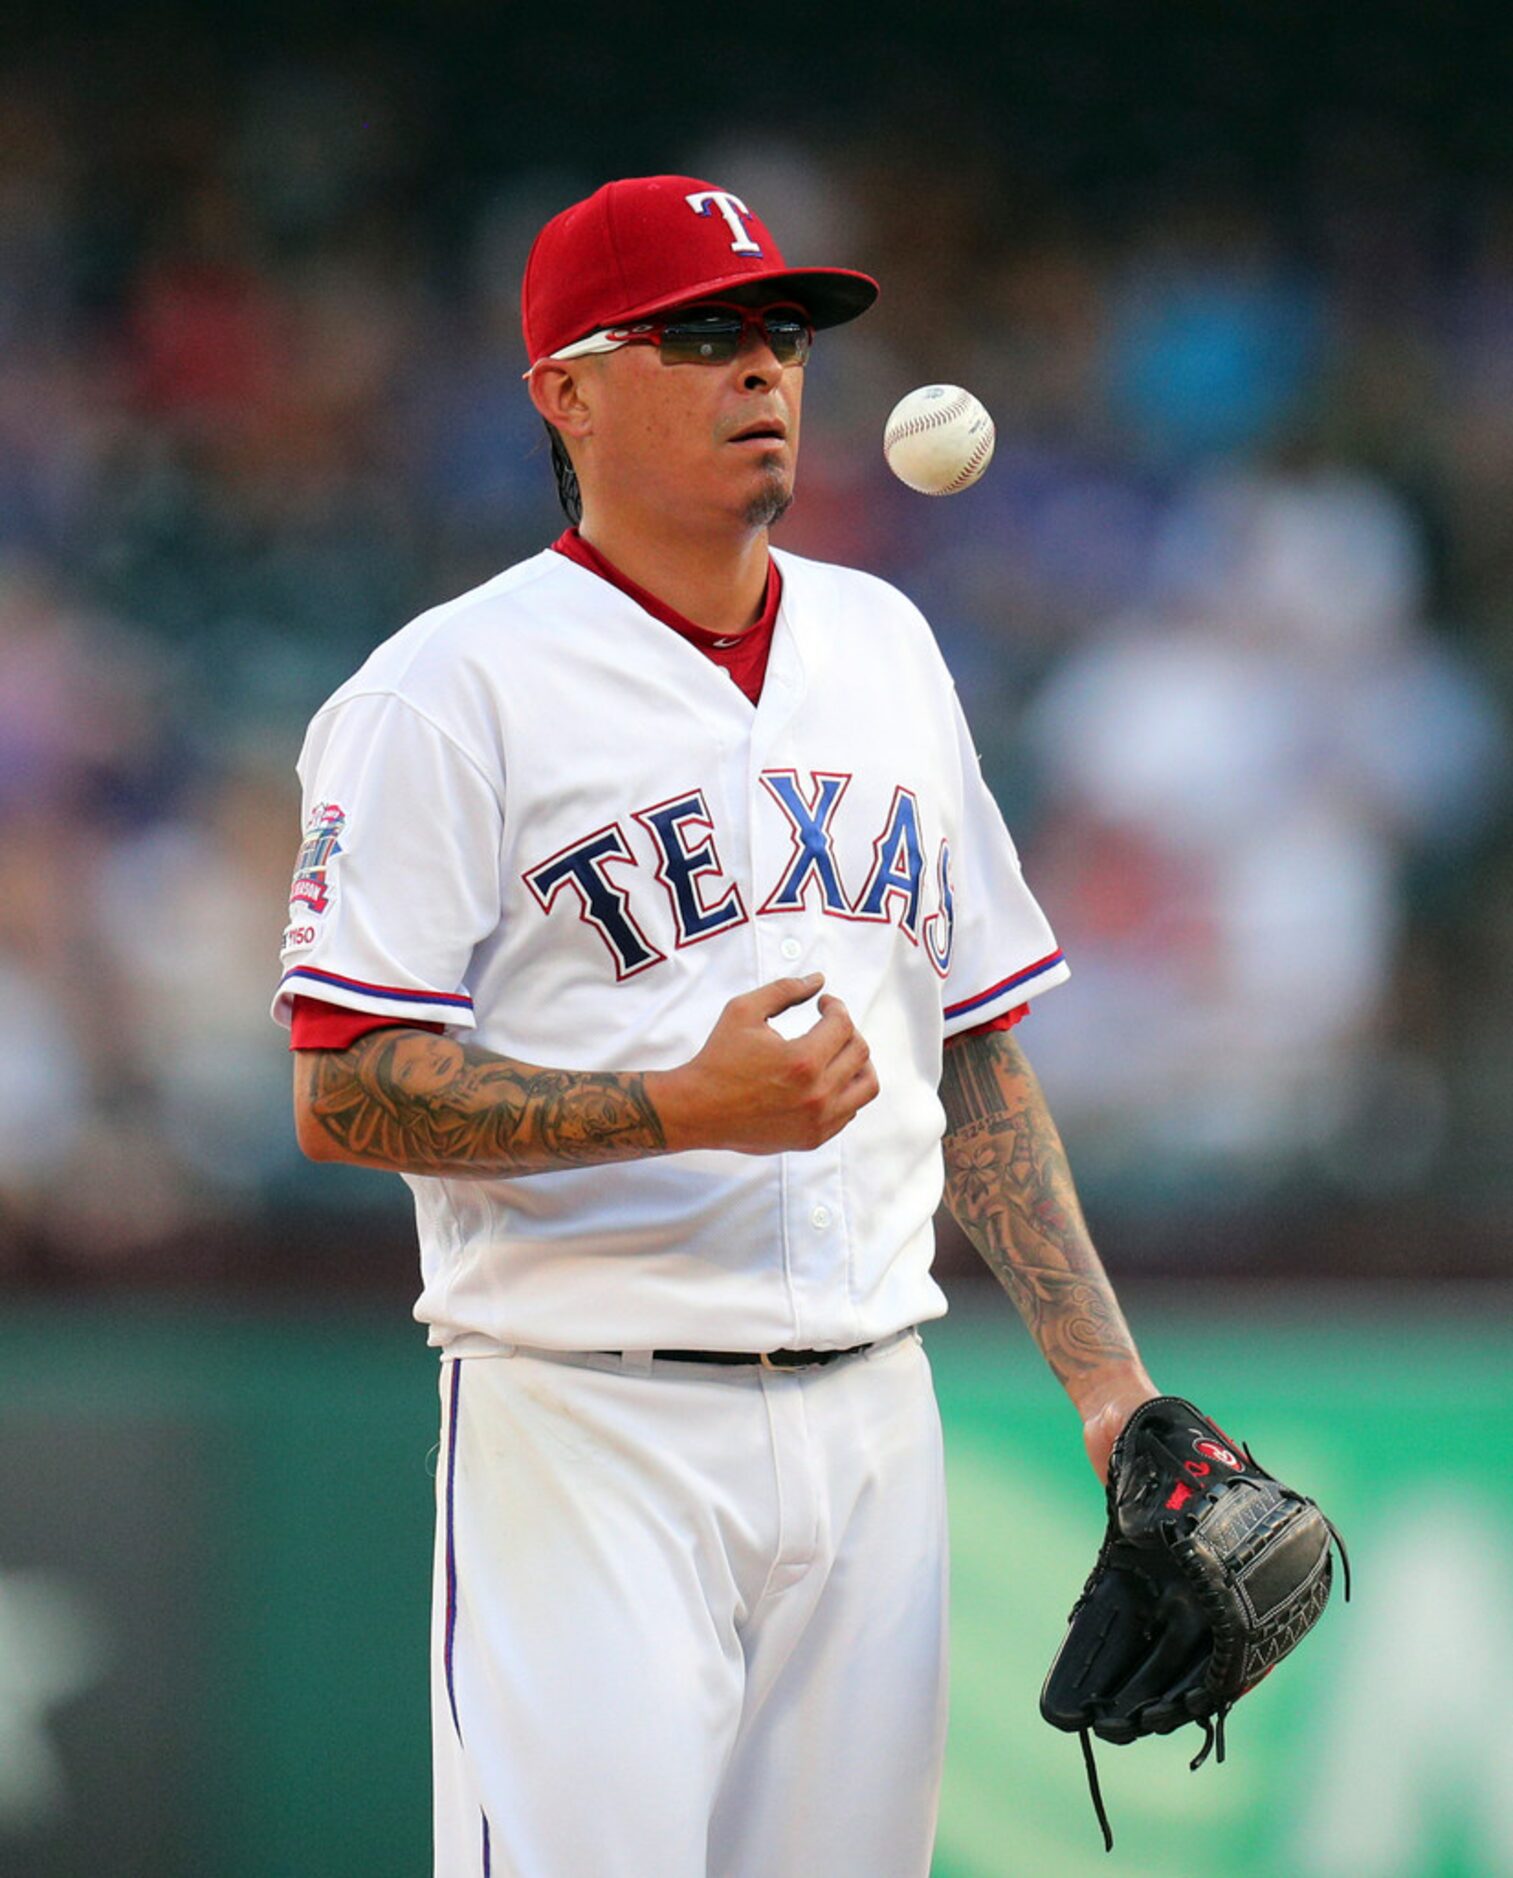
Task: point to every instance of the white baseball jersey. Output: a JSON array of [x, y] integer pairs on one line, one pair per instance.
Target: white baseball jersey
[[540, 816]]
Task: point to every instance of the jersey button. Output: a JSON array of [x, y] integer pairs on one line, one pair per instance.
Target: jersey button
[[820, 1218], [790, 949]]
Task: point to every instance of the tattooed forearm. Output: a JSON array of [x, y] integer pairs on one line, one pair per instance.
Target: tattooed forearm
[[1010, 1188], [426, 1104]]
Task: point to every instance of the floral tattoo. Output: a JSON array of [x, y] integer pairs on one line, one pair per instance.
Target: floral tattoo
[[427, 1104], [1010, 1188]]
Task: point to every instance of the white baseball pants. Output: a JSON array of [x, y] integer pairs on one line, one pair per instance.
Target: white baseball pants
[[689, 1620]]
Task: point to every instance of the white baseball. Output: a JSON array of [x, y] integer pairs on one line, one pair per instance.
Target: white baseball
[[938, 440]]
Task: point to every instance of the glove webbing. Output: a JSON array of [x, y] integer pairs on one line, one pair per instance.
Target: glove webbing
[[1334, 1531]]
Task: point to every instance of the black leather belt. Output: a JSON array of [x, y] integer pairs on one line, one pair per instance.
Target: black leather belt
[[768, 1359]]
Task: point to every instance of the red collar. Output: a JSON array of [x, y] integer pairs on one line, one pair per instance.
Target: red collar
[[743, 655], [572, 544]]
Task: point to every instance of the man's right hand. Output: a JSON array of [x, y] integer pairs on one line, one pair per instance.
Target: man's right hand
[[760, 1093]]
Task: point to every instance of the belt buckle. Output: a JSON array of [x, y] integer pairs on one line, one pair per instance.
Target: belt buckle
[[764, 1357]]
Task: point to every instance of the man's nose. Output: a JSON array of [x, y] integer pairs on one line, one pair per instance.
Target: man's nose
[[760, 369]]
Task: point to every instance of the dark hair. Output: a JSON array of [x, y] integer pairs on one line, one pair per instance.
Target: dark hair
[[568, 492]]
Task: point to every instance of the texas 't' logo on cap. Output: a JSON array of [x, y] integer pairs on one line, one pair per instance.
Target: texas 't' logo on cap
[[736, 213]]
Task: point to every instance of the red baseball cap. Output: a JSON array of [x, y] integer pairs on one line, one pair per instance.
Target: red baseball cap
[[647, 243]]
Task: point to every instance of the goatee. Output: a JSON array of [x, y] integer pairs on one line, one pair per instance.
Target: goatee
[[769, 507]]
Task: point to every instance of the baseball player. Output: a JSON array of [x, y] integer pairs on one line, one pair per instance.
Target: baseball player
[[652, 919]]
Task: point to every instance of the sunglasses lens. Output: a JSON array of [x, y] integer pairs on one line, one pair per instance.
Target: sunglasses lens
[[714, 338], [789, 338]]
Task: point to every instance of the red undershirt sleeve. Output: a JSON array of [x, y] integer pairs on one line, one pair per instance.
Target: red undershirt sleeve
[[316, 1025], [1006, 1021]]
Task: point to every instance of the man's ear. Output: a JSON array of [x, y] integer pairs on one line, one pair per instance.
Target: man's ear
[[561, 393]]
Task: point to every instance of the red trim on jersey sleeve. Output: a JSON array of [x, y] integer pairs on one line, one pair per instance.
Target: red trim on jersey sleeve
[[743, 655], [1011, 983], [1006, 1021], [316, 1025]]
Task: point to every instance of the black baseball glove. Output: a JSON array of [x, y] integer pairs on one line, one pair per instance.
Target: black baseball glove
[[1210, 1572]]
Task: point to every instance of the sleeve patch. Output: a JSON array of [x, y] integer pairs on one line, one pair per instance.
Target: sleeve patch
[[311, 886]]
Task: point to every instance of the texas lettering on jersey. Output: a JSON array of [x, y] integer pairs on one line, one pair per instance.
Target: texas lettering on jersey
[[594, 872]]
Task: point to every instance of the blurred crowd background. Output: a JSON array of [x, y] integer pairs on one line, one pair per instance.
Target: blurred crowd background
[[1232, 614], [1232, 611]]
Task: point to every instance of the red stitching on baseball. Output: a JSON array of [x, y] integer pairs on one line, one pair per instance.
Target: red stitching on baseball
[[969, 469], [929, 420]]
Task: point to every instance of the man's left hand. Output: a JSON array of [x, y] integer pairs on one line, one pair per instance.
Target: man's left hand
[[1104, 1416]]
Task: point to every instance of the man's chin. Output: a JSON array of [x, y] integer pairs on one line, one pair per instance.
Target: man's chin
[[769, 508], [771, 502]]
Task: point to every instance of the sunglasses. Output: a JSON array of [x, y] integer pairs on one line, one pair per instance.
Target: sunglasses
[[707, 335]]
